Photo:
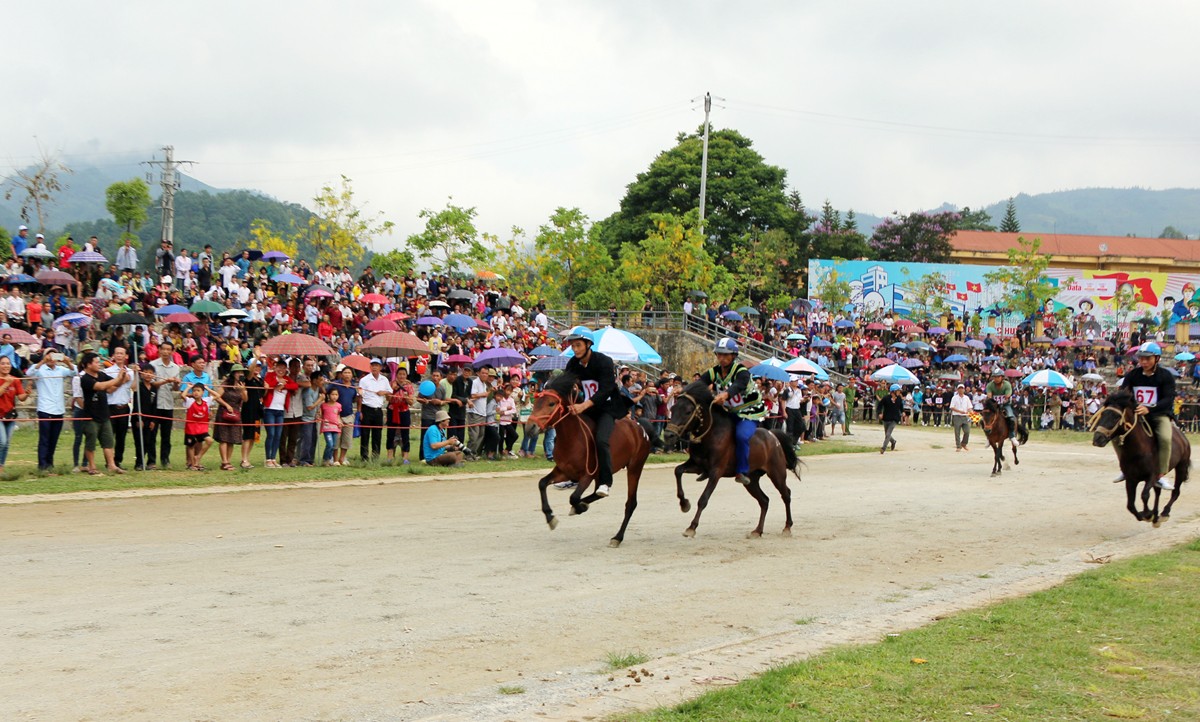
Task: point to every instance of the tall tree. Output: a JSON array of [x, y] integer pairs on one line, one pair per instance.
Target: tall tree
[[670, 261], [266, 238], [569, 253], [1174, 233], [450, 240], [744, 192], [338, 228], [36, 186], [1024, 284], [916, 237], [979, 220], [763, 266], [1010, 224], [128, 202], [397, 262], [831, 237]]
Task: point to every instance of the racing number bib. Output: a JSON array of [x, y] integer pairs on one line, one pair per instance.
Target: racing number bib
[[1146, 395], [590, 388]]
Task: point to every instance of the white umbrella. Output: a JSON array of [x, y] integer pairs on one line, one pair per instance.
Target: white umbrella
[[801, 365], [1092, 377], [895, 374], [1048, 378], [623, 346]]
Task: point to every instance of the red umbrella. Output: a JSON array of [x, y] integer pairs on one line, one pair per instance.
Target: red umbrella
[[296, 344], [50, 278], [904, 323], [181, 318], [458, 358], [480, 323], [358, 362], [19, 336], [881, 362], [395, 343], [1013, 373], [396, 316], [872, 342], [876, 326], [373, 298], [382, 324]]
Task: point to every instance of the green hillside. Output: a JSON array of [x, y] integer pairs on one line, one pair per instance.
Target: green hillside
[[1107, 211]]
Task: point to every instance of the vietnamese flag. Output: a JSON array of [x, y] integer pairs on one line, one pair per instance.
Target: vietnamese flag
[[974, 287], [1143, 286], [951, 286], [961, 296]]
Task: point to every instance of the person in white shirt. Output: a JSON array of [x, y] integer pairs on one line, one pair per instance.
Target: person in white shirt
[[183, 269], [15, 307], [376, 390], [961, 407], [127, 259], [423, 285], [228, 272], [120, 399]]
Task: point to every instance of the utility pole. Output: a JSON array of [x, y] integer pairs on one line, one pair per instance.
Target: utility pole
[[704, 159], [170, 183]]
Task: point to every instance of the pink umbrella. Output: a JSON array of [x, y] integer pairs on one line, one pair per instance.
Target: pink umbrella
[[458, 358], [373, 298], [881, 362], [319, 293], [382, 324], [876, 326], [181, 318]]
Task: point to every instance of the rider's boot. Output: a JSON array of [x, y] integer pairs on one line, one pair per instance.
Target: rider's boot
[[1165, 483], [1120, 478], [742, 479]]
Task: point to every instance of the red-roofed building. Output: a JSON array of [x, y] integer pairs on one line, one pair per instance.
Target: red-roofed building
[[1148, 255]]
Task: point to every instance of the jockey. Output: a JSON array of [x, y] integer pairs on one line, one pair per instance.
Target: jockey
[[602, 399], [1153, 387], [1001, 390], [734, 388]]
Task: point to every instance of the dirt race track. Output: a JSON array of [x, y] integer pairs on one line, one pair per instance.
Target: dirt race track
[[421, 600]]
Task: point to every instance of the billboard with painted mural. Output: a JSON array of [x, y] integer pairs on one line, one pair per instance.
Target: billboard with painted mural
[[1087, 295]]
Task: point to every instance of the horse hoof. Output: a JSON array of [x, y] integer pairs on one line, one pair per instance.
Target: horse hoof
[[689, 533], [1157, 523], [787, 531], [756, 534], [552, 522], [685, 506], [614, 543]]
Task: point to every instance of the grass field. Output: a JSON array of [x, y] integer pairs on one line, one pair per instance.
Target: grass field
[[21, 477], [1119, 642]]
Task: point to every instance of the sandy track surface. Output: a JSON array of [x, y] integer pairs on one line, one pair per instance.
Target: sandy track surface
[[421, 600]]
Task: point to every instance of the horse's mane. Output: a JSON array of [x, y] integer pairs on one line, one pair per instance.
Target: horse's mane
[[563, 384], [1121, 399], [990, 404], [700, 391]]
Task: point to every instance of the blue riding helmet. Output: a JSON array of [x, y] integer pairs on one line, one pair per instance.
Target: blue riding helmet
[[1149, 349], [894, 387], [726, 345], [582, 333]]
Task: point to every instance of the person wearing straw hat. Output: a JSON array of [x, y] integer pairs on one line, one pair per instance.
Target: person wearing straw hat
[[439, 448]]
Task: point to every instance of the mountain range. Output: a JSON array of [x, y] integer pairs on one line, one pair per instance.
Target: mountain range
[[1090, 211]]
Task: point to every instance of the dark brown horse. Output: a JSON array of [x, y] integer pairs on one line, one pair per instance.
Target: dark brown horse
[[710, 433], [995, 427], [575, 450], [1117, 421]]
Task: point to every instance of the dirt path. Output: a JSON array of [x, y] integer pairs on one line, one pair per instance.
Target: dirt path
[[420, 600]]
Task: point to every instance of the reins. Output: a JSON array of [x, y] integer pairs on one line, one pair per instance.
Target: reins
[[560, 412], [697, 410], [1126, 425]]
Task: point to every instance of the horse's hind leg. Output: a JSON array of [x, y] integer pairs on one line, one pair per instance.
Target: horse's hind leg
[[634, 476], [1016, 461], [755, 490], [779, 479]]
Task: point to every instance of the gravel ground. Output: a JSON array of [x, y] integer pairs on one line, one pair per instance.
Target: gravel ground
[[423, 599]]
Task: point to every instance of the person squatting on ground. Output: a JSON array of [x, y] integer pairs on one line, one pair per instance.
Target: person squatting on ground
[[440, 448], [734, 389]]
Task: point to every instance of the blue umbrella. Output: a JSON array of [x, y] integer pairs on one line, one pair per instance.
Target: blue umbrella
[[460, 320], [956, 359], [544, 350], [623, 346], [77, 319], [796, 337], [821, 343], [499, 357], [430, 321], [844, 323], [895, 374], [782, 322], [732, 316], [20, 278], [1185, 356], [549, 363], [173, 308], [1047, 378], [900, 345], [274, 256], [288, 278], [989, 359], [919, 346], [976, 343], [767, 371], [912, 363]]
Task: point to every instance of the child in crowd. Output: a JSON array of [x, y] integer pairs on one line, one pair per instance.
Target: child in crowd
[[195, 432], [331, 425]]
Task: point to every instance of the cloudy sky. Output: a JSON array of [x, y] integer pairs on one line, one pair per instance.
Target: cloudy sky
[[520, 106]]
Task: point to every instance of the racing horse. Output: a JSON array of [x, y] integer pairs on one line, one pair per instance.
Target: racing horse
[[995, 427], [1117, 421], [710, 433], [575, 453]]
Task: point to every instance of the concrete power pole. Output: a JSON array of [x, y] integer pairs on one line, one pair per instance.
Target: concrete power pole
[[169, 181], [704, 159]]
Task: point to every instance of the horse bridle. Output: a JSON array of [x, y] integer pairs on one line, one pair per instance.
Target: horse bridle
[[561, 412], [697, 411], [1126, 426]]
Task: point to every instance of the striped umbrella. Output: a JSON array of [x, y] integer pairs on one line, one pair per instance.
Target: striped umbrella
[[895, 374], [381, 324], [296, 344], [395, 343], [801, 365], [87, 257], [549, 363], [772, 373]]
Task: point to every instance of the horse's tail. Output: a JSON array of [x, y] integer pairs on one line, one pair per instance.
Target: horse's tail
[[789, 452], [1022, 434]]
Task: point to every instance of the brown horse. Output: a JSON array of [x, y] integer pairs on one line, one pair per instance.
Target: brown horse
[[995, 426], [575, 450], [711, 435], [1117, 421]]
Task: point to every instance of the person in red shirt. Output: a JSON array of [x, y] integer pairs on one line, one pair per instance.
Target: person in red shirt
[[195, 429], [64, 255], [324, 329], [11, 391], [33, 312]]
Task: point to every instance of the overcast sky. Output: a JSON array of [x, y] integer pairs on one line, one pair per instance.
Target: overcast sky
[[518, 107]]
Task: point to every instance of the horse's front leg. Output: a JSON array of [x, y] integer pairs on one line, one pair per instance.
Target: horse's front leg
[[1144, 514], [1131, 498], [543, 483], [702, 502], [579, 504], [997, 458], [1154, 518], [1016, 461], [686, 467]]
